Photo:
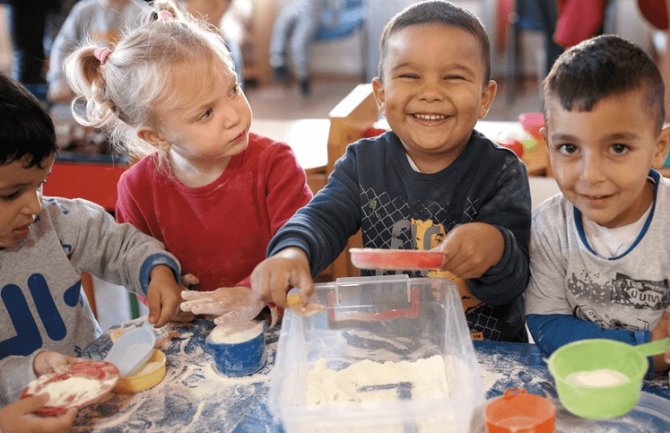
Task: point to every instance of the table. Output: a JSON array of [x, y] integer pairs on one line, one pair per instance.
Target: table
[[194, 398]]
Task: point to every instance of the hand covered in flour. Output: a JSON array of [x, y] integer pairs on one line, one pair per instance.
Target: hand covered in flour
[[464, 255], [18, 417], [275, 276], [231, 304], [48, 361], [662, 330]]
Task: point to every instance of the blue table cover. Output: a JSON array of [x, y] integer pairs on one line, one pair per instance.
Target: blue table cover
[[193, 397]]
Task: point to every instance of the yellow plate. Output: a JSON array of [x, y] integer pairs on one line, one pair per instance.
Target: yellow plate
[[149, 375]]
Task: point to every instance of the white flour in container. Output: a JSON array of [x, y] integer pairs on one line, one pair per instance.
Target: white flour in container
[[600, 378], [369, 380], [72, 391], [233, 335], [148, 367]]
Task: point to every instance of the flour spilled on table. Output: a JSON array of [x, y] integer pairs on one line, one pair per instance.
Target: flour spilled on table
[[192, 396], [499, 373]]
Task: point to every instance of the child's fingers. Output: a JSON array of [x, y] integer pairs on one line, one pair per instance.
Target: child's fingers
[[169, 306], [154, 300], [61, 423], [189, 295], [278, 286], [31, 404], [305, 285], [260, 285], [214, 308], [229, 318]]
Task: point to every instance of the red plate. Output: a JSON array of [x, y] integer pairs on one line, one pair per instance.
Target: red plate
[[372, 258], [84, 383]]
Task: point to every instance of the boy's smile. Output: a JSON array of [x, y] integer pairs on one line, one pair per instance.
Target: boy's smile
[[433, 91], [601, 158], [20, 198]]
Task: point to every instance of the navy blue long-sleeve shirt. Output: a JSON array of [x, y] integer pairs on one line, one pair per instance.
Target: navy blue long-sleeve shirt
[[374, 188]]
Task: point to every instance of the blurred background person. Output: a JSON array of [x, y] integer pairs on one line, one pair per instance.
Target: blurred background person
[[292, 34], [32, 27], [213, 12], [100, 21]]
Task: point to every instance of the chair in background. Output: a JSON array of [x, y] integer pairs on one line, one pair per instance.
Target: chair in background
[[342, 23], [349, 121], [534, 16]]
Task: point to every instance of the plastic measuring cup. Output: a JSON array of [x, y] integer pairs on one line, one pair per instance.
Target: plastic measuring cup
[[518, 412], [132, 350], [602, 402]]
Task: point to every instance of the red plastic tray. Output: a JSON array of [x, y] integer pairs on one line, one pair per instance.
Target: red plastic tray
[[373, 258]]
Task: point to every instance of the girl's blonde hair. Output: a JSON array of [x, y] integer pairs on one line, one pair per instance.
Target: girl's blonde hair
[[118, 91]]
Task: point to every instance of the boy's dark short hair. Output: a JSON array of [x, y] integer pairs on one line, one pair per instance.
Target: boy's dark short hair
[[440, 12], [25, 127], [600, 67]]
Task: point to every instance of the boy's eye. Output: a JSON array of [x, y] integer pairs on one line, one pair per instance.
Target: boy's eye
[[409, 75], [11, 196], [454, 77], [566, 148], [620, 149]]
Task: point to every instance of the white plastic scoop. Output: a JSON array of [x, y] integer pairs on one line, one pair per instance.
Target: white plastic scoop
[[132, 350]]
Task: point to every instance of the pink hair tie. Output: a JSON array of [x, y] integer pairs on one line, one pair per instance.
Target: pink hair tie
[[101, 53], [164, 15]]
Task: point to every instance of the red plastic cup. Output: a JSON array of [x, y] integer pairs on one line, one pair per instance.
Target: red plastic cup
[[518, 412]]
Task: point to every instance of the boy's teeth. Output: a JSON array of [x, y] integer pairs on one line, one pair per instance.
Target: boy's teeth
[[430, 116]]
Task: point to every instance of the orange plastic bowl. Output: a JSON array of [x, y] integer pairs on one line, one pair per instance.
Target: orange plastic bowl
[[517, 411]]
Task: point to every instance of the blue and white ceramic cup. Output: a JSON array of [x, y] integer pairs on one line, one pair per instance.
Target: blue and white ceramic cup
[[238, 352]]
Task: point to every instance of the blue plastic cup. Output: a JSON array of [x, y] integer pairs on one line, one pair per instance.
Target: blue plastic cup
[[239, 353]]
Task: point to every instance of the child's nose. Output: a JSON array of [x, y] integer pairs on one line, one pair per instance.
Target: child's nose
[[591, 170], [431, 91], [32, 202], [230, 118]]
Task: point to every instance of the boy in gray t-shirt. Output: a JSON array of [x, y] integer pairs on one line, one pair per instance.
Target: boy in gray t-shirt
[[600, 250], [46, 243]]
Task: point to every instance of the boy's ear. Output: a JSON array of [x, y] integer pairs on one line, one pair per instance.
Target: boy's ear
[[378, 92], [661, 151], [153, 137], [488, 95]]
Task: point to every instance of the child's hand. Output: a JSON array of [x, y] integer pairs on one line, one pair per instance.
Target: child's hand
[[48, 361], [662, 330], [18, 417], [163, 296], [471, 249], [230, 303], [275, 276]]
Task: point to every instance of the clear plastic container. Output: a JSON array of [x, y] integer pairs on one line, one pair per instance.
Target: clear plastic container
[[382, 319]]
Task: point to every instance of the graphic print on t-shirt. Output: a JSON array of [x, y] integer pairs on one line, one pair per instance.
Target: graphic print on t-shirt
[[613, 303], [390, 222]]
